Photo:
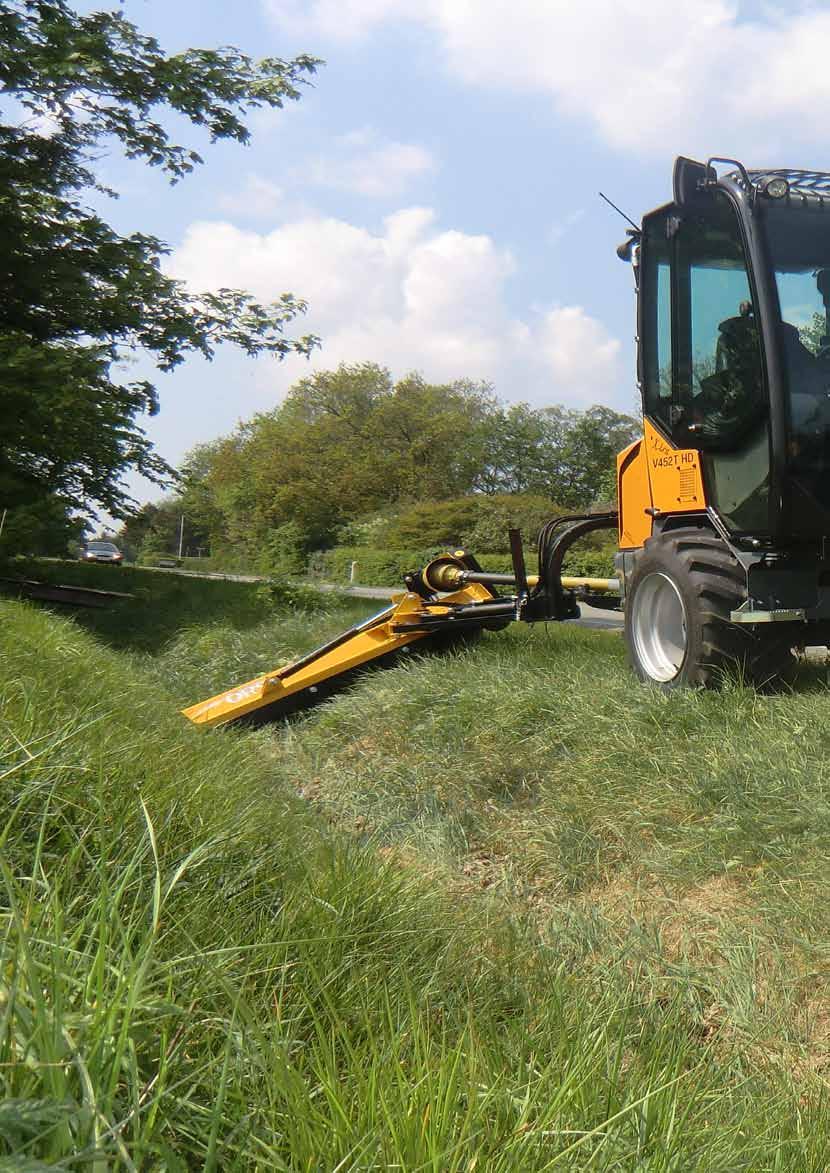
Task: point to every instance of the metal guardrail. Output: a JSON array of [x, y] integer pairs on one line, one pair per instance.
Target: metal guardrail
[[73, 595]]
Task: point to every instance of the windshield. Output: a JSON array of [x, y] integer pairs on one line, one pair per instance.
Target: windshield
[[799, 240], [103, 547]]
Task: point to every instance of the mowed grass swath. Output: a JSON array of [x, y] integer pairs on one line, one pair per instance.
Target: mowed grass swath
[[500, 909]]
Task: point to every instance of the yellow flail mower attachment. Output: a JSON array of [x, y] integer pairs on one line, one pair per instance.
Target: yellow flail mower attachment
[[446, 601]]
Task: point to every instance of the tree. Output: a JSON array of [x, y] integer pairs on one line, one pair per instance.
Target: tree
[[556, 452], [480, 522], [591, 447], [75, 296], [351, 453], [812, 335], [45, 527], [432, 436], [523, 450], [135, 529], [345, 443], [157, 528]]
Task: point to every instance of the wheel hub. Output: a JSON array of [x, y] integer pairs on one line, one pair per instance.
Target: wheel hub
[[659, 627]]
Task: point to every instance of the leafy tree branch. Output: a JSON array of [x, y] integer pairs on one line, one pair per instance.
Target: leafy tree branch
[[75, 295]]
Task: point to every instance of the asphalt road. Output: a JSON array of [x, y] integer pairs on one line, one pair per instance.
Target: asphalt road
[[595, 617]]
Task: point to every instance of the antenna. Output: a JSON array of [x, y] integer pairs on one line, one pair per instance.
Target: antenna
[[636, 227]]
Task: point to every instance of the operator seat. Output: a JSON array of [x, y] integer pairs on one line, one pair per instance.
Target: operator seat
[[732, 400], [737, 346]]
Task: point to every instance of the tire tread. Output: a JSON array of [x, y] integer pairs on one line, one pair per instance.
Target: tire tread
[[717, 583]]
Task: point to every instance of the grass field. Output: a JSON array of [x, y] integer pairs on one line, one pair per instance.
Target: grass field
[[498, 910]]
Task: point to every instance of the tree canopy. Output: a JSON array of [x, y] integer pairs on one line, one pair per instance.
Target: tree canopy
[[75, 296], [353, 455], [812, 334]]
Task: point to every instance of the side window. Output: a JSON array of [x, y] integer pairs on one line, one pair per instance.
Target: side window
[[703, 378], [655, 323], [719, 370], [664, 373]]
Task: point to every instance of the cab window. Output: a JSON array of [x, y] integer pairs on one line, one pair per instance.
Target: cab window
[[656, 321], [716, 389]]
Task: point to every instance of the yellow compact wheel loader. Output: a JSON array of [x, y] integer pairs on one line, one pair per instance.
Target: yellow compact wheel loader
[[723, 505]]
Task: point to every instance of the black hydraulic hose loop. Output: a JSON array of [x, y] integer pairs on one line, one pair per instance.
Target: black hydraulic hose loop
[[547, 536], [553, 546]]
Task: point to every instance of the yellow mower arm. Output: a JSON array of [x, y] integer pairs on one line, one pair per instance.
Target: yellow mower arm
[[376, 637], [446, 599]]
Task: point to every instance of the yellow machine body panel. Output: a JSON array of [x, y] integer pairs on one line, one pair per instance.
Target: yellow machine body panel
[[652, 475], [676, 480], [383, 633], [633, 496]]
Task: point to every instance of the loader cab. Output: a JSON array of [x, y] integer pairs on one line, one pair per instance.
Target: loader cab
[[734, 344]]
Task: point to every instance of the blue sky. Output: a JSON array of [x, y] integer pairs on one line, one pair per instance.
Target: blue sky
[[434, 195]]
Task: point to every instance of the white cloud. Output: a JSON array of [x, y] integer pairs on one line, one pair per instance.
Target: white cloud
[[409, 297], [578, 348], [345, 20], [364, 163], [651, 77], [258, 197], [360, 162]]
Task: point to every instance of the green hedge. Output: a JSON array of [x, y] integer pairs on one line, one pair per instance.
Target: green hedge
[[477, 521], [220, 564], [227, 563], [592, 561], [375, 567]]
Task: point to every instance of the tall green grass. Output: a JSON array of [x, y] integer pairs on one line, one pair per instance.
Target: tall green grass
[[421, 928], [686, 834], [162, 605]]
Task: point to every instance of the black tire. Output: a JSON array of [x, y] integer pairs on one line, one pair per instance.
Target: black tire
[[683, 587]]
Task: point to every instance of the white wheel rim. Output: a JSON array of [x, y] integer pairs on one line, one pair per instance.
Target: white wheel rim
[[659, 627]]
